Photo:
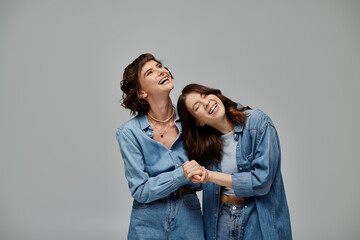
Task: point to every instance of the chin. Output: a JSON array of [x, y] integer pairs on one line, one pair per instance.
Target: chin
[[167, 89], [170, 86]]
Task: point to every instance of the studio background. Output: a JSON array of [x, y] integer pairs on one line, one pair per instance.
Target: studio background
[[61, 172]]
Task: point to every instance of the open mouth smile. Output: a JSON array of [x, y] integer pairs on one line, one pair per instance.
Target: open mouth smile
[[164, 80], [212, 109]]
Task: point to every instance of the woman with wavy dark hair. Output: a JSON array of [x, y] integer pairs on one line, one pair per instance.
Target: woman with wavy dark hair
[[165, 203], [243, 191]]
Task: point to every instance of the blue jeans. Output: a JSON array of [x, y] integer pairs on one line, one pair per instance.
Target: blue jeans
[[236, 222], [167, 218]]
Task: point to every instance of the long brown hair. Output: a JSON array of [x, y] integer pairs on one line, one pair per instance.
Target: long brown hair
[[204, 143], [130, 84]]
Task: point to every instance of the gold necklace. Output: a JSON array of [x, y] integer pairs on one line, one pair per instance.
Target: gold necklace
[[162, 133]]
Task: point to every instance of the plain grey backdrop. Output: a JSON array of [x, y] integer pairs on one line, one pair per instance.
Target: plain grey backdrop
[[61, 173]]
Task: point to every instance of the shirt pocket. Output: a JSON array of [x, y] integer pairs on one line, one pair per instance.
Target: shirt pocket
[[246, 159]]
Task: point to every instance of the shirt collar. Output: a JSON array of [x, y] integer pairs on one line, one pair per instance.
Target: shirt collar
[[144, 123]]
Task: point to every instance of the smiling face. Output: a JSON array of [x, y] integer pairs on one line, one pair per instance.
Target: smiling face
[[206, 109], [154, 80]]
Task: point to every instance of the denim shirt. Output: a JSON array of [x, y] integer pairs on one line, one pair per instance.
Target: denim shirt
[[152, 170], [258, 177]]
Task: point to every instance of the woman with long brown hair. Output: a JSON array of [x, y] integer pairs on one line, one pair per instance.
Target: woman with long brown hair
[[165, 204], [243, 191]]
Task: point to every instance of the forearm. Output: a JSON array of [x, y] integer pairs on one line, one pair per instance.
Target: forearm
[[219, 178], [148, 189]]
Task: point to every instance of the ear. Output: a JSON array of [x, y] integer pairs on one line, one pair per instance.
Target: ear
[[142, 94]]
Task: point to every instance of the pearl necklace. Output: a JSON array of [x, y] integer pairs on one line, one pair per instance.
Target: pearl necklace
[[163, 121]]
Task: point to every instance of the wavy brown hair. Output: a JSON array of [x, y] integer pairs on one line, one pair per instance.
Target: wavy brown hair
[[204, 143], [130, 84]]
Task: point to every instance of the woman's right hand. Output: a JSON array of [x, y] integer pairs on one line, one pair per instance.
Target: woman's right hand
[[198, 174], [195, 172], [203, 178]]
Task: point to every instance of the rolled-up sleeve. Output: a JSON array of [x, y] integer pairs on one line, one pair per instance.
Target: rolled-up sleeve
[[259, 179], [144, 188]]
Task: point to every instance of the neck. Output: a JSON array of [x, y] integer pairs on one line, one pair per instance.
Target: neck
[[224, 126], [161, 109]]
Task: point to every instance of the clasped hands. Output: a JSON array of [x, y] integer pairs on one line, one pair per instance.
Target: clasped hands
[[195, 172]]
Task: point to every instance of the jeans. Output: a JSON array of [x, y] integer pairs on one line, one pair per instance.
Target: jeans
[[167, 218], [236, 222]]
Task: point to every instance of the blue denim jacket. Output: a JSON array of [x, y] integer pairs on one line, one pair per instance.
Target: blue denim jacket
[[259, 178], [153, 171]]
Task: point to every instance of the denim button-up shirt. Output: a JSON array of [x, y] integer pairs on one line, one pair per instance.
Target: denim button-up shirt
[[153, 171], [258, 177]]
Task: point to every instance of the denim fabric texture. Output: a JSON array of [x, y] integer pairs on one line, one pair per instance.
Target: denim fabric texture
[[167, 218], [153, 172], [258, 179], [233, 219]]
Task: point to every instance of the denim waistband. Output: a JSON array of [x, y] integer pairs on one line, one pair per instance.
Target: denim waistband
[[234, 209], [179, 193]]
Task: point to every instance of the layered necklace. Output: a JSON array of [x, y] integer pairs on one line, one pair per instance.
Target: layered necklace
[[162, 121]]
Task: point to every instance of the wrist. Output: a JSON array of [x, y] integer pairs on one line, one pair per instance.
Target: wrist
[[210, 175]]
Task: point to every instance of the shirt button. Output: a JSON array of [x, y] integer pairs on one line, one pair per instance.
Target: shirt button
[[177, 165], [237, 147], [233, 207], [217, 192], [215, 215], [245, 206], [240, 169], [149, 133], [242, 227]]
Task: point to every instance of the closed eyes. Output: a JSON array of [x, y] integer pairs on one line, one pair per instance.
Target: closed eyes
[[196, 106]]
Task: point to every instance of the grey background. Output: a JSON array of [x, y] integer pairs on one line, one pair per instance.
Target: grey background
[[61, 174]]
